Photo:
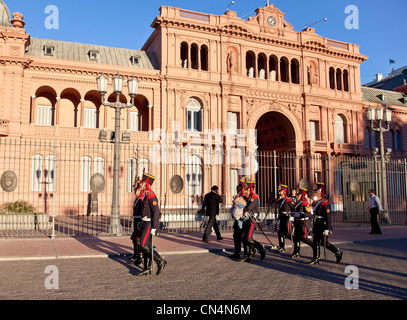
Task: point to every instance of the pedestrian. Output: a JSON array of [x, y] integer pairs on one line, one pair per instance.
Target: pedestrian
[[135, 237], [150, 216], [322, 225], [302, 222], [210, 205], [285, 205], [251, 211], [375, 208]]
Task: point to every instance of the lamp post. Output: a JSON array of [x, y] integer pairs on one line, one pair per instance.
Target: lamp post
[[102, 81], [381, 115]]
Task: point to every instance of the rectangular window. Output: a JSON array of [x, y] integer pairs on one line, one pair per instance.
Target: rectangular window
[[89, 118], [133, 121], [234, 180], [194, 120], [314, 130], [233, 122], [44, 115]]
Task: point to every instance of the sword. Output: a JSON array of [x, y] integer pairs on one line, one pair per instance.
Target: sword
[[254, 221], [152, 255], [325, 237]]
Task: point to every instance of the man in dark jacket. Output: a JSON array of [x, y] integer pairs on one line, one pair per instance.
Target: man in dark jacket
[[211, 204]]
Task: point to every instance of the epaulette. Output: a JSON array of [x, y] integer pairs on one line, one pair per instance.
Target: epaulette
[[150, 195], [255, 196], [304, 203], [326, 202]]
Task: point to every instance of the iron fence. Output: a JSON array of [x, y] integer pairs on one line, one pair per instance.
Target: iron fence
[[64, 188]]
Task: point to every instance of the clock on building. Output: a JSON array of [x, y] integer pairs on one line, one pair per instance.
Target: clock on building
[[271, 20]]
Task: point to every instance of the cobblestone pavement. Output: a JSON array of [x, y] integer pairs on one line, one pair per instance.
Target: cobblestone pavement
[[381, 267]]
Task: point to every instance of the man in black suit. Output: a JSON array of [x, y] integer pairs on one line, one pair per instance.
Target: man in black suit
[[211, 203]]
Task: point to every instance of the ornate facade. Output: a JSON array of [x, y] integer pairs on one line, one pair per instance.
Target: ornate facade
[[198, 73]]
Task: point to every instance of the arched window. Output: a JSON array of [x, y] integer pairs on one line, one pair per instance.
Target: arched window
[[273, 63], [204, 58], [295, 71], [262, 66], [194, 115], [339, 79], [184, 55], [339, 129], [345, 80], [194, 175], [36, 168], [86, 163], [284, 76], [332, 78], [250, 64], [194, 56], [49, 173]]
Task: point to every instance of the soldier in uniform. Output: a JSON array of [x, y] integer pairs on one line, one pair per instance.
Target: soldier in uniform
[[135, 237], [285, 206], [302, 221], [251, 210], [322, 225], [238, 224], [150, 215]]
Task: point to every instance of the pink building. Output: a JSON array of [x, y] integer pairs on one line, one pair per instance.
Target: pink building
[[204, 79]]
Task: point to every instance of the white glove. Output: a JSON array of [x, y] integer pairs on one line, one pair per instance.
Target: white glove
[[153, 231], [291, 218], [326, 233]]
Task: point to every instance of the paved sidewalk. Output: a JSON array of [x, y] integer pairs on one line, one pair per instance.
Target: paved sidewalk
[[167, 244]]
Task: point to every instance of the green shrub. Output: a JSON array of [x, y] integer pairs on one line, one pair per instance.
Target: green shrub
[[18, 207]]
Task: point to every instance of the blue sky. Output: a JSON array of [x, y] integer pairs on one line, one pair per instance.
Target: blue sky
[[126, 24]]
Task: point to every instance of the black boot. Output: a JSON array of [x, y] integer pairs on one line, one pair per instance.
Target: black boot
[[280, 250], [262, 250], [161, 263], [145, 251], [296, 253], [316, 258], [338, 256]]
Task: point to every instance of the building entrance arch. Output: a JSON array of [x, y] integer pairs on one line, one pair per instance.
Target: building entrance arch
[[276, 141]]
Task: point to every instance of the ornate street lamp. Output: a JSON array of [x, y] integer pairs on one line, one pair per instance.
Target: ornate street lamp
[[381, 115], [102, 81]]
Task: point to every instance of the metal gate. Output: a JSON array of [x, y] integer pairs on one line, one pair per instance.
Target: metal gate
[[64, 188]]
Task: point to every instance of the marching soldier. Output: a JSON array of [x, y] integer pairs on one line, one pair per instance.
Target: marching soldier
[[285, 206], [238, 224], [322, 225], [135, 237], [302, 221], [150, 215], [251, 210]]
